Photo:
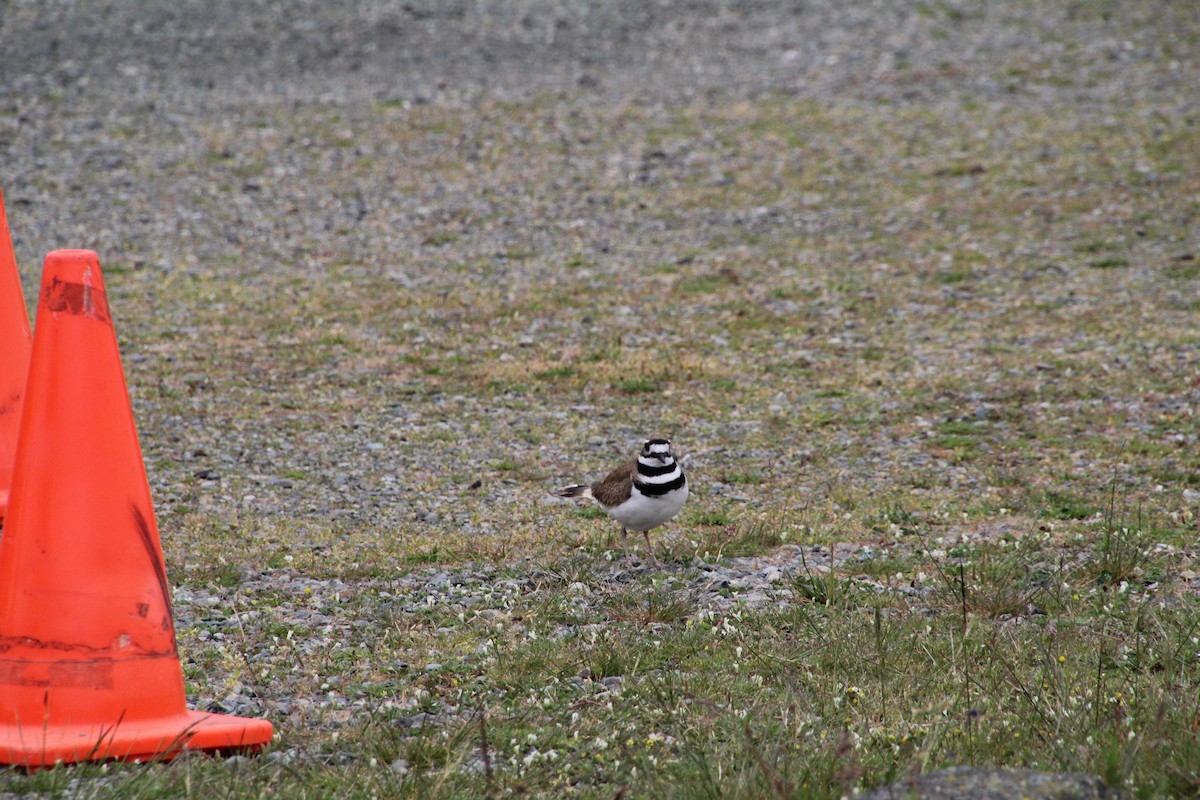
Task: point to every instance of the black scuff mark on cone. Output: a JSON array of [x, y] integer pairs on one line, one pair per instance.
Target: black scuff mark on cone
[[11, 404], [160, 571]]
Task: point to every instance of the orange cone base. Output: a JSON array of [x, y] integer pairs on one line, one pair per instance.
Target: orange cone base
[[73, 711], [148, 740]]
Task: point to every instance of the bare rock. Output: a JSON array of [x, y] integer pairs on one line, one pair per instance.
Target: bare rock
[[966, 783]]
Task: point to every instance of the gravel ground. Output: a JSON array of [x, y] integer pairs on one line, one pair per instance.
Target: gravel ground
[[114, 112], [184, 56], [190, 141]]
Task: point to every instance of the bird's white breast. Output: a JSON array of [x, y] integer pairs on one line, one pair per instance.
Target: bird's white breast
[[643, 512]]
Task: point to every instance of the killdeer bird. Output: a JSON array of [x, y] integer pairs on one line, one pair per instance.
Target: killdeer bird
[[640, 494]]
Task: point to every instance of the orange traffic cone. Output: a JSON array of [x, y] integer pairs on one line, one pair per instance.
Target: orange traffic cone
[[88, 664], [15, 342]]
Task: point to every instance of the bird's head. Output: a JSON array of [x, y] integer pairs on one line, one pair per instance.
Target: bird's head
[[657, 448]]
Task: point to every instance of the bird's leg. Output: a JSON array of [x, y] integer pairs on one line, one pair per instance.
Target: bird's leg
[[625, 544], [649, 553]]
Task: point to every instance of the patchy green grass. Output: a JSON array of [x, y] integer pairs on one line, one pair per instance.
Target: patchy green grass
[[895, 327], [1054, 655]]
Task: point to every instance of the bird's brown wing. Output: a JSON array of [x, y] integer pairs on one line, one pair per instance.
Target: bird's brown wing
[[615, 489]]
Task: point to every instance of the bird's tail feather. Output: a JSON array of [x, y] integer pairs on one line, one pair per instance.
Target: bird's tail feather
[[575, 490]]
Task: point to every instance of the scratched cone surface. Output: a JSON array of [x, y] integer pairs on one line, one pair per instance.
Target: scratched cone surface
[[88, 664], [15, 342]]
